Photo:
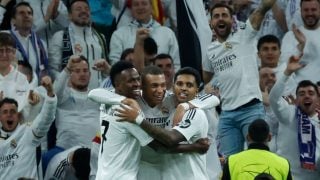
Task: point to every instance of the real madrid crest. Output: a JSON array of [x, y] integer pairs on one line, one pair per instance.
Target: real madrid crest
[[13, 143], [227, 45]]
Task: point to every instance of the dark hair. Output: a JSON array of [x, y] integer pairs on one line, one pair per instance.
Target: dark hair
[[8, 101], [264, 176], [153, 70], [71, 2], [220, 5], [306, 83], [81, 163], [125, 53], [189, 71], [6, 39], [150, 46], [163, 56], [307, 0], [268, 39], [23, 3], [259, 130], [318, 83], [117, 68], [25, 64]]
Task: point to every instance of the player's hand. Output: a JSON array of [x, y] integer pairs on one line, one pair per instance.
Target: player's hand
[[128, 111], [178, 115], [202, 145], [33, 98], [46, 82], [265, 96]]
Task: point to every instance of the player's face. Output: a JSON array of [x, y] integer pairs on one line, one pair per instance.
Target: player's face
[[141, 10], [154, 89], [269, 54], [185, 88], [221, 22], [80, 14], [267, 78], [80, 76], [129, 84], [307, 99], [9, 117], [310, 13], [167, 68]]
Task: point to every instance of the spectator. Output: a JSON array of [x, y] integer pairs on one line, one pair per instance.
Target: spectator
[[18, 142], [30, 47], [298, 135], [232, 62], [13, 84], [51, 16], [142, 12], [77, 118], [79, 39]]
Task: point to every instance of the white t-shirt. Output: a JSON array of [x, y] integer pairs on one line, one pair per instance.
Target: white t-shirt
[[287, 143], [18, 152], [15, 85], [188, 166], [235, 68], [120, 150]]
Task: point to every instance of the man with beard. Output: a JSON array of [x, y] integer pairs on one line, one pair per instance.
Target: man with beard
[[299, 133], [232, 61], [77, 118], [79, 38], [303, 39]]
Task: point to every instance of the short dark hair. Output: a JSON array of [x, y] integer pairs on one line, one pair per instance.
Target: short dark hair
[[125, 53], [163, 56], [153, 70], [6, 39], [307, 0], [259, 130], [268, 39], [220, 5], [81, 163], [8, 101], [189, 71], [306, 83], [117, 68], [264, 176], [71, 2], [150, 46], [23, 3]]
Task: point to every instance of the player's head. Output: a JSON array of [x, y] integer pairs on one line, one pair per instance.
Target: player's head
[[125, 79], [186, 84], [81, 163], [153, 85], [259, 132], [9, 115]]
